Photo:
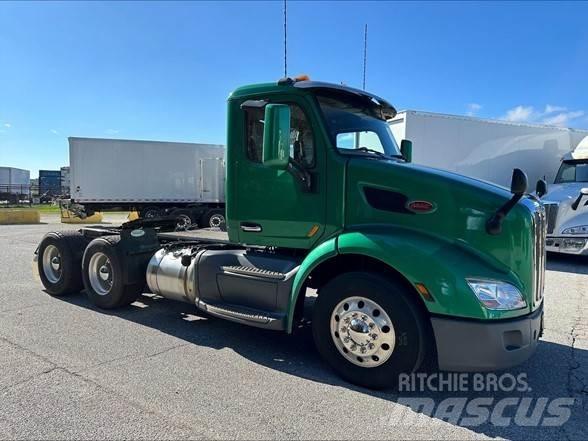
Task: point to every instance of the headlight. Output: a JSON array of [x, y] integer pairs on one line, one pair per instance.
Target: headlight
[[497, 295], [580, 229]]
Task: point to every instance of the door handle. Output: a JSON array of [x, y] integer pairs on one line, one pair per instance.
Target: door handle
[[250, 227]]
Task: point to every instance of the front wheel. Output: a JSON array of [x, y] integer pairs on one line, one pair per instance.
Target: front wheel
[[369, 329]]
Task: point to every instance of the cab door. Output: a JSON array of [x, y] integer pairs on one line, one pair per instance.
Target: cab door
[[273, 206]]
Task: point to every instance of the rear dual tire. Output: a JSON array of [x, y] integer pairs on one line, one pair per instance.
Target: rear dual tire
[[103, 275], [59, 262]]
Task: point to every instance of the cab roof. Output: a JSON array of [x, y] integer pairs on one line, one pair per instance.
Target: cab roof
[[261, 88]]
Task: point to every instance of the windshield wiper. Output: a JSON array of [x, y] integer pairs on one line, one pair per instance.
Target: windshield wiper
[[379, 153]]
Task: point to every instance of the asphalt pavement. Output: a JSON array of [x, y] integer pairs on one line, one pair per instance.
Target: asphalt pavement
[[159, 369]]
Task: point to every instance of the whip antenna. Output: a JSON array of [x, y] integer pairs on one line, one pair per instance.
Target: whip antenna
[[285, 41], [364, 52]]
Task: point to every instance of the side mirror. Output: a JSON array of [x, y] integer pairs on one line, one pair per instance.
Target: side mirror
[[583, 192], [406, 149], [518, 185], [276, 136], [541, 188]]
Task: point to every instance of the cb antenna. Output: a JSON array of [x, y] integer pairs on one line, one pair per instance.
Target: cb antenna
[[364, 52], [285, 40]]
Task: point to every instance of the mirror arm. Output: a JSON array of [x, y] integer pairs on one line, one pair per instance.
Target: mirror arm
[[300, 173], [494, 224], [577, 202]]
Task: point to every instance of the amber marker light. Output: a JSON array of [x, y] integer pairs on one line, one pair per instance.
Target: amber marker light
[[424, 292]]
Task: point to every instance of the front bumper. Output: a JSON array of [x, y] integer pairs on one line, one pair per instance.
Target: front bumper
[[567, 245], [476, 346]]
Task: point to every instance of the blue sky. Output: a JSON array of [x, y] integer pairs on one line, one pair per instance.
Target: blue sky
[[151, 70]]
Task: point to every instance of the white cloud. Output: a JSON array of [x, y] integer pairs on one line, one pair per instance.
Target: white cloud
[[473, 108], [55, 132], [551, 109], [112, 131], [551, 115], [7, 125], [562, 119], [520, 114]]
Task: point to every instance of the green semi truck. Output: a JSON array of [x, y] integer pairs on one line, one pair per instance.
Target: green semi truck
[[412, 267]]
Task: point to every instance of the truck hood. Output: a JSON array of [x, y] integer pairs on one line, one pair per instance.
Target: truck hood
[[561, 192], [462, 206]]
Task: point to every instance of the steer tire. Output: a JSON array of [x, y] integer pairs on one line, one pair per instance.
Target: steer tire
[[68, 247], [111, 292], [407, 327]]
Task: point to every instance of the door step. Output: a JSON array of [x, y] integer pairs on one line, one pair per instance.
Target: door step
[[249, 316], [254, 272]]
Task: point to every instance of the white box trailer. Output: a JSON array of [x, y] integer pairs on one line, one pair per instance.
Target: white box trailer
[[485, 149], [158, 179], [14, 181]]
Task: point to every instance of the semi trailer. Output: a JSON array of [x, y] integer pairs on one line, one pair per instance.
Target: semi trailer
[[413, 267], [483, 148], [183, 181]]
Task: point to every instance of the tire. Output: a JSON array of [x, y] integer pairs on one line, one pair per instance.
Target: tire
[[213, 218], [102, 273], [400, 344], [150, 213], [59, 262], [183, 219]]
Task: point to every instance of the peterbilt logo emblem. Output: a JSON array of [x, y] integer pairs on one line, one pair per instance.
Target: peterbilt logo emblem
[[421, 207]]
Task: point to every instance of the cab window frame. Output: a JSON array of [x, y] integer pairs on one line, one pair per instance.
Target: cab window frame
[[291, 103]]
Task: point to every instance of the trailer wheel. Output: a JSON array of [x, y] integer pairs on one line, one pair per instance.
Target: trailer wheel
[[102, 271], [369, 329], [183, 219], [150, 213], [59, 262], [213, 218]]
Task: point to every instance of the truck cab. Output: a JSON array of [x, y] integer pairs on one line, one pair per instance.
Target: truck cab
[[412, 266], [565, 204]]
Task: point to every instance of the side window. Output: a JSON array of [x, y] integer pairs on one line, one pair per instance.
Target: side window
[[301, 137], [254, 133]]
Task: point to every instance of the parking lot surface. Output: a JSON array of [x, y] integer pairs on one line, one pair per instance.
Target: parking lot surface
[[160, 369]]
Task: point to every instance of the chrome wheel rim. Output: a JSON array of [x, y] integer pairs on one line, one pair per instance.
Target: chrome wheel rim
[[100, 273], [362, 332], [52, 263], [183, 221], [216, 220]]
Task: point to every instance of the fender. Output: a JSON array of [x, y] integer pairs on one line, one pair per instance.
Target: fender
[[442, 266]]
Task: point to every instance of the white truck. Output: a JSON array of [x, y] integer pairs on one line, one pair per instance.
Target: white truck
[[485, 149], [184, 181], [565, 203]]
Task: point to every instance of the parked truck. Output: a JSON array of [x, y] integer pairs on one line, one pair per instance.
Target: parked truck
[[414, 267], [184, 181], [566, 203], [483, 148]]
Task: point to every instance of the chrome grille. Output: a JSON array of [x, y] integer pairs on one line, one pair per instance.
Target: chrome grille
[[540, 231], [551, 214]]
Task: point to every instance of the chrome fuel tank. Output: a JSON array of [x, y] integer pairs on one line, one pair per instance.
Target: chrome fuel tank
[[167, 276]]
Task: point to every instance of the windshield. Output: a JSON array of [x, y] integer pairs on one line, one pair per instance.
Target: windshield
[[572, 171], [356, 126]]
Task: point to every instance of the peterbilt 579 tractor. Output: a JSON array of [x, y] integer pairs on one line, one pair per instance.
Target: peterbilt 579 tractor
[[412, 266]]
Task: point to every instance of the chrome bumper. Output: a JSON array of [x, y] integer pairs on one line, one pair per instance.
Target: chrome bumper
[[567, 245]]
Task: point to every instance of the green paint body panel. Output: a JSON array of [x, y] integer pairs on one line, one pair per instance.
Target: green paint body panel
[[439, 249]]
